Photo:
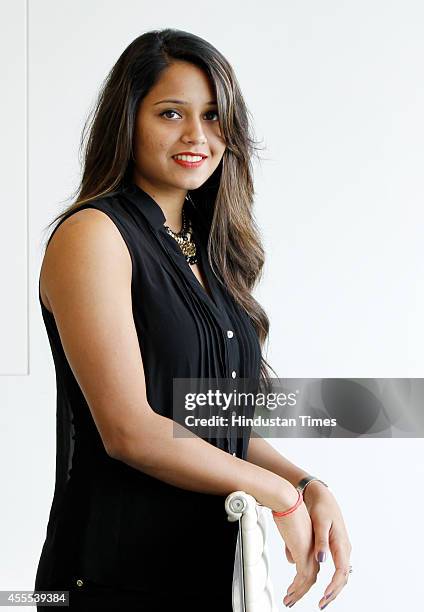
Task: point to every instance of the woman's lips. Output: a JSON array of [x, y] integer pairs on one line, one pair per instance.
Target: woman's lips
[[187, 164]]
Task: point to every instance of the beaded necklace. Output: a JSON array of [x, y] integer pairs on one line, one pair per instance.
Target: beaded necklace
[[184, 238]]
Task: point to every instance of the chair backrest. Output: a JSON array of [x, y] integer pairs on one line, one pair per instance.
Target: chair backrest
[[252, 586]]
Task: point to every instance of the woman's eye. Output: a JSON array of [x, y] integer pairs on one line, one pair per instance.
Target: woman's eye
[[170, 111], [213, 113]]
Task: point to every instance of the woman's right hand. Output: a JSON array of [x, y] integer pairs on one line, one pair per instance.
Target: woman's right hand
[[297, 532]]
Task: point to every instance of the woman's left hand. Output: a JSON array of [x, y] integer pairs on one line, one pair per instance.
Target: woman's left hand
[[330, 535]]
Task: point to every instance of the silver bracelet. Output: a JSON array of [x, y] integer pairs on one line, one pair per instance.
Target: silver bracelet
[[303, 483]]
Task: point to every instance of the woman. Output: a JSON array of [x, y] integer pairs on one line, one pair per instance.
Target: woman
[[147, 277]]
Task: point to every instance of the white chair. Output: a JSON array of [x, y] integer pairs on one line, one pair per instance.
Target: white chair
[[252, 587]]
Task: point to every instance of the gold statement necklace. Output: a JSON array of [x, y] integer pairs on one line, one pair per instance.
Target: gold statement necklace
[[184, 238]]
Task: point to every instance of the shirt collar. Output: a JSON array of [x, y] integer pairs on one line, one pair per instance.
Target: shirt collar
[[155, 216], [145, 203], [153, 212]]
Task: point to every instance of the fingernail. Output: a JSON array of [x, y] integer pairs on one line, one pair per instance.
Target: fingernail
[[292, 605], [324, 606], [322, 555], [329, 595]]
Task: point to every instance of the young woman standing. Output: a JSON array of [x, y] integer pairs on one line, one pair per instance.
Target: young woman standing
[[147, 277]]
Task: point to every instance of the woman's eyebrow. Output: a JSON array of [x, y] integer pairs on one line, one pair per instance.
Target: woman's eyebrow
[[210, 103]]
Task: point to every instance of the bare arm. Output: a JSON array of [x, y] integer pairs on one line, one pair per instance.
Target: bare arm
[[87, 279], [194, 464], [261, 453]]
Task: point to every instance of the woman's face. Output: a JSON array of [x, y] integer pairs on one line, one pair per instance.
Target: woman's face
[[189, 122]]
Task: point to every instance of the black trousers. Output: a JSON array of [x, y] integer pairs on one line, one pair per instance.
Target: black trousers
[[93, 596]]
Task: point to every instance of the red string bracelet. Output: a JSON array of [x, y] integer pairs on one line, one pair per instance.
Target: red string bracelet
[[293, 508]]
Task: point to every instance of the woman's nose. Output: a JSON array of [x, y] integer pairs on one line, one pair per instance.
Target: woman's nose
[[195, 133]]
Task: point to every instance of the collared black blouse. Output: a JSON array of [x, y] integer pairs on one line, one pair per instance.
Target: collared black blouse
[[109, 522]]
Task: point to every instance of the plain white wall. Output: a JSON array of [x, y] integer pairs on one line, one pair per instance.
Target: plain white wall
[[14, 243], [336, 92]]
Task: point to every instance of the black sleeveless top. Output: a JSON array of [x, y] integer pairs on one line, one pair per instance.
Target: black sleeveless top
[[112, 523]]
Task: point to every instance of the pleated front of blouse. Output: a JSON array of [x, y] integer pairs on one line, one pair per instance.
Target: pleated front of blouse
[[110, 522]]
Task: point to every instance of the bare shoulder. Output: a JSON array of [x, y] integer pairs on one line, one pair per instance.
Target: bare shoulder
[[88, 225], [88, 237]]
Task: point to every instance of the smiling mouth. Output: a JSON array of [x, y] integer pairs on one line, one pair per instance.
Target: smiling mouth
[[189, 161]]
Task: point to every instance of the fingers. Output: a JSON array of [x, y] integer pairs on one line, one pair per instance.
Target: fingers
[[321, 535], [340, 579], [341, 551], [305, 577]]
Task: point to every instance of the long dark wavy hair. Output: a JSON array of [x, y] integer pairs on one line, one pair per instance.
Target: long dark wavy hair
[[234, 244]]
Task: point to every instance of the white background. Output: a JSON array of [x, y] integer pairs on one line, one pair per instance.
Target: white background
[[337, 96]]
